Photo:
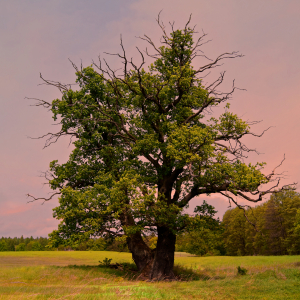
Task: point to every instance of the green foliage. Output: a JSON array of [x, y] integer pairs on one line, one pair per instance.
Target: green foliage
[[151, 241], [235, 234], [31, 244], [106, 262], [21, 247], [276, 229], [201, 242], [145, 146], [97, 244], [3, 246], [34, 246], [293, 237], [203, 235], [205, 210], [117, 244]]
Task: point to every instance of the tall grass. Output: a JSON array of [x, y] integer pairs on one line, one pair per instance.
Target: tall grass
[[76, 275]]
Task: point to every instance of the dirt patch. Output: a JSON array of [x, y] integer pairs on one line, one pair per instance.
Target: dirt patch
[[21, 261]]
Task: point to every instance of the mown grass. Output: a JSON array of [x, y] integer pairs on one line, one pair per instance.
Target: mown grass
[[77, 275]]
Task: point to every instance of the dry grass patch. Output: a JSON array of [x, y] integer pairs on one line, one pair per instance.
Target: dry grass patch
[[46, 276]]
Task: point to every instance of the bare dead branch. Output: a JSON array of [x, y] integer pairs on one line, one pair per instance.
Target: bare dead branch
[[226, 55], [62, 87], [40, 102], [42, 198], [188, 22], [243, 208], [273, 172]]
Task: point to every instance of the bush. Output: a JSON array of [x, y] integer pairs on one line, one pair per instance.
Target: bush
[[241, 271], [106, 262]]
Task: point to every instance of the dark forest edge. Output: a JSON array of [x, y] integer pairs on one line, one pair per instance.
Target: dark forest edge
[[276, 232]]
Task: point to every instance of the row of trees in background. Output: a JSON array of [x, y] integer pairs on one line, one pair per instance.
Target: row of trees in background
[[23, 244], [276, 230], [43, 244], [272, 228]]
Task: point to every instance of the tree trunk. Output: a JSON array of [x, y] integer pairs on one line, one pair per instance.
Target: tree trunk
[[163, 263], [142, 255]]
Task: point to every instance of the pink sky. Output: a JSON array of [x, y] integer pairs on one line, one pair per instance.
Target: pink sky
[[40, 36]]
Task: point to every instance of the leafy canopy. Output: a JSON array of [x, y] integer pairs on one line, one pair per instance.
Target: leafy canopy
[[145, 144]]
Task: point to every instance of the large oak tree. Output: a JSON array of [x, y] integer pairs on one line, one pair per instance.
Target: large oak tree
[[145, 145]]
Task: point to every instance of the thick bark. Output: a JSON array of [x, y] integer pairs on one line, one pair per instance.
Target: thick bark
[[142, 255], [162, 267]]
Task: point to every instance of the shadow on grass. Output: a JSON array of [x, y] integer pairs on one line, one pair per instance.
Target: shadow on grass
[[129, 272], [126, 270], [189, 274]]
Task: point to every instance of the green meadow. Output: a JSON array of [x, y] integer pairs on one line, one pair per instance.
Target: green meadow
[[78, 275]]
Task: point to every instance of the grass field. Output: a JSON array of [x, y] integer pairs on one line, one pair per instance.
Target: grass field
[[76, 275]]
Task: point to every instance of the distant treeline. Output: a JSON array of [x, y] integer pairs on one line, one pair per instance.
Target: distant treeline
[[43, 244], [272, 228], [23, 244], [276, 231]]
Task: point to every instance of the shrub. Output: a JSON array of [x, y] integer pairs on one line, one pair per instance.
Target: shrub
[[241, 271], [106, 262]]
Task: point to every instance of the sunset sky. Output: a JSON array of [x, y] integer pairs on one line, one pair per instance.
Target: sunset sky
[[39, 36]]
